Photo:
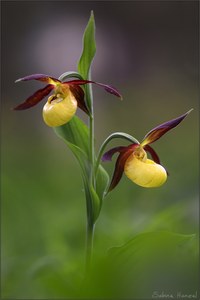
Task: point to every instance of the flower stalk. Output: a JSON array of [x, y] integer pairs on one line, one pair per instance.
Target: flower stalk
[[89, 247], [90, 223]]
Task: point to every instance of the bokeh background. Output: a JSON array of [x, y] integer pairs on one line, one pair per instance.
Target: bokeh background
[[149, 51]]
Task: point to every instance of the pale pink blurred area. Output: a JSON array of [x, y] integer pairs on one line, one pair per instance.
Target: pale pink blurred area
[[56, 46], [61, 44]]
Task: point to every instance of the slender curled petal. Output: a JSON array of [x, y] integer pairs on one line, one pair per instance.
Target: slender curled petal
[[106, 87], [79, 95], [160, 130], [59, 109], [40, 77], [125, 152], [35, 98], [145, 173], [153, 153], [119, 169], [109, 154]]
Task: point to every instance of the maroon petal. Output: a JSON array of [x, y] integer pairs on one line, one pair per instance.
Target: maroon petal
[[125, 152], [79, 95], [119, 167], [40, 77], [160, 130], [109, 154], [35, 98], [108, 88], [153, 153]]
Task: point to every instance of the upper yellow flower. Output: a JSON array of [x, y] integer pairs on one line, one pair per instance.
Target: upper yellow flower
[[62, 105], [133, 161]]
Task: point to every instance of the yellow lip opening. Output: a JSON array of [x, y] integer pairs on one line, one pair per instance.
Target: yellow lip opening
[[59, 109]]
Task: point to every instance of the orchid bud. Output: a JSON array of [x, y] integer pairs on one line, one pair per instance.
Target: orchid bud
[[144, 172], [59, 109]]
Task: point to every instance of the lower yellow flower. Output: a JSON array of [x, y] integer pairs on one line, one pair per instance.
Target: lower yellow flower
[[133, 161], [59, 109], [144, 172]]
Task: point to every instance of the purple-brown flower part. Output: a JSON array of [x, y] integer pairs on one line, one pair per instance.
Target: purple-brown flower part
[[124, 153], [160, 130], [106, 87], [78, 93], [109, 154], [153, 153], [119, 166], [35, 98], [40, 77], [55, 83]]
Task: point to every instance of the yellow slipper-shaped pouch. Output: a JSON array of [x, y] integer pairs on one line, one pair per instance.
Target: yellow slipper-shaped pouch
[[145, 172]]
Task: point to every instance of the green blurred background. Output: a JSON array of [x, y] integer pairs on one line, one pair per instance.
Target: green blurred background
[[149, 51]]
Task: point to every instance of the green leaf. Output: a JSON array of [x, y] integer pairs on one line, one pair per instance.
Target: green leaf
[[70, 74], [76, 133], [81, 158], [151, 261], [102, 181], [92, 200], [89, 48], [165, 257], [153, 242]]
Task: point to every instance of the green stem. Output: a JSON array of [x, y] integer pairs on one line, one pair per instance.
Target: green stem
[[90, 221], [92, 155], [89, 246], [89, 101]]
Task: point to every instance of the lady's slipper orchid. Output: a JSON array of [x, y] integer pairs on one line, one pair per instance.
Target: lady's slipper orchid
[[62, 105], [133, 161]]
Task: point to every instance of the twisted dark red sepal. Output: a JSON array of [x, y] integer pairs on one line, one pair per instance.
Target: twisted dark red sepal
[[79, 95], [35, 98], [109, 154], [125, 152], [153, 153], [40, 77], [160, 130], [106, 87]]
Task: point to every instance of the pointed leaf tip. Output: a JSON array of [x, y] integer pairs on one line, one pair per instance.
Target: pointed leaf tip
[[92, 15], [89, 48]]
